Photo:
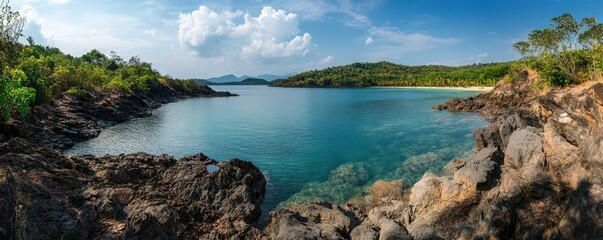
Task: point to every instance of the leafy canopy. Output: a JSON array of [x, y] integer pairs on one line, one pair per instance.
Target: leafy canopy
[[567, 52]]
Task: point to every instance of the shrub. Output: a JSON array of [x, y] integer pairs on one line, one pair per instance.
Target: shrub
[[76, 91]]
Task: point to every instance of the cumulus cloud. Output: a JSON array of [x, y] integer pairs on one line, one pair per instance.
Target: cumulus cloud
[[33, 26], [273, 34], [369, 41]]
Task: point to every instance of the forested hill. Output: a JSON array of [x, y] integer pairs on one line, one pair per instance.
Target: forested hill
[[390, 74]]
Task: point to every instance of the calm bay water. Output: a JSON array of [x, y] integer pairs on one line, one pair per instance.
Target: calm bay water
[[309, 143]]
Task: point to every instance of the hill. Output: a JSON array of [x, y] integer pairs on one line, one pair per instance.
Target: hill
[[390, 74], [247, 81], [272, 77], [227, 78]]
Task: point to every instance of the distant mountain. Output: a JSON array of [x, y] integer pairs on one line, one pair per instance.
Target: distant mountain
[[246, 81], [228, 78], [232, 79], [272, 77]]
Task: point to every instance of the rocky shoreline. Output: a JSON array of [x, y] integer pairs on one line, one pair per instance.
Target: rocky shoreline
[[69, 119], [537, 173]]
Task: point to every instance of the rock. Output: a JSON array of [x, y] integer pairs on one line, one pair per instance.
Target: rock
[[46, 195], [390, 230], [423, 232], [315, 220], [499, 101], [70, 119], [480, 172], [383, 192], [537, 174], [364, 232]]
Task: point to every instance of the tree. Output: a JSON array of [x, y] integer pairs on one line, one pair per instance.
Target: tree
[[592, 39], [31, 41], [94, 57], [562, 45], [13, 94], [11, 26]]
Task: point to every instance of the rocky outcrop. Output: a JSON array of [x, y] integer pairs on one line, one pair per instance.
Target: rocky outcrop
[[537, 174], [505, 97], [45, 195], [70, 118]]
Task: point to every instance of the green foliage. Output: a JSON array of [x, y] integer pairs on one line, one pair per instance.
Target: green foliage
[[11, 25], [389, 74], [35, 74], [567, 53], [80, 92], [13, 95]]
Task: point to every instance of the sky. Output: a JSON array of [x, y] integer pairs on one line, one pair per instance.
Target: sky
[[202, 39]]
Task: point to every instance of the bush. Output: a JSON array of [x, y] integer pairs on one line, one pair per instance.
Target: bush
[[556, 77], [117, 84], [15, 96], [76, 91]]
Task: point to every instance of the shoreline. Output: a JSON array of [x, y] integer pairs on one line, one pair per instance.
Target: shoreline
[[480, 89]]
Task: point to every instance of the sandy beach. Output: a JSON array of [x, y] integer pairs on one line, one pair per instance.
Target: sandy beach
[[480, 89]]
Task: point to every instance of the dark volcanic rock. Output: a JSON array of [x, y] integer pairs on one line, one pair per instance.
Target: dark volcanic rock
[[69, 118], [45, 195]]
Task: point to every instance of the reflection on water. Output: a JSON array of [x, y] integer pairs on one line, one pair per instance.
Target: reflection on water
[[310, 143]]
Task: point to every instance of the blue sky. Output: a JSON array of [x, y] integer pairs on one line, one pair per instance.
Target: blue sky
[[200, 39]]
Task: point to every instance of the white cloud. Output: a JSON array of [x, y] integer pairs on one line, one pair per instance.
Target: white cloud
[[33, 26], [326, 61], [395, 42], [105, 32], [271, 35], [346, 11], [411, 41], [369, 41]]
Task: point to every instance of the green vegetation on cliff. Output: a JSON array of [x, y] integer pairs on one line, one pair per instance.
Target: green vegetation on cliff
[[35, 74], [390, 74], [566, 53]]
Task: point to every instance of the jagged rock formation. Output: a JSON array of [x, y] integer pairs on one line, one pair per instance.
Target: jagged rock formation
[[537, 173], [45, 195], [69, 118]]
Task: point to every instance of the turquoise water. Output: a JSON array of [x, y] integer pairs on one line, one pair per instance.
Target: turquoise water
[[309, 143]]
